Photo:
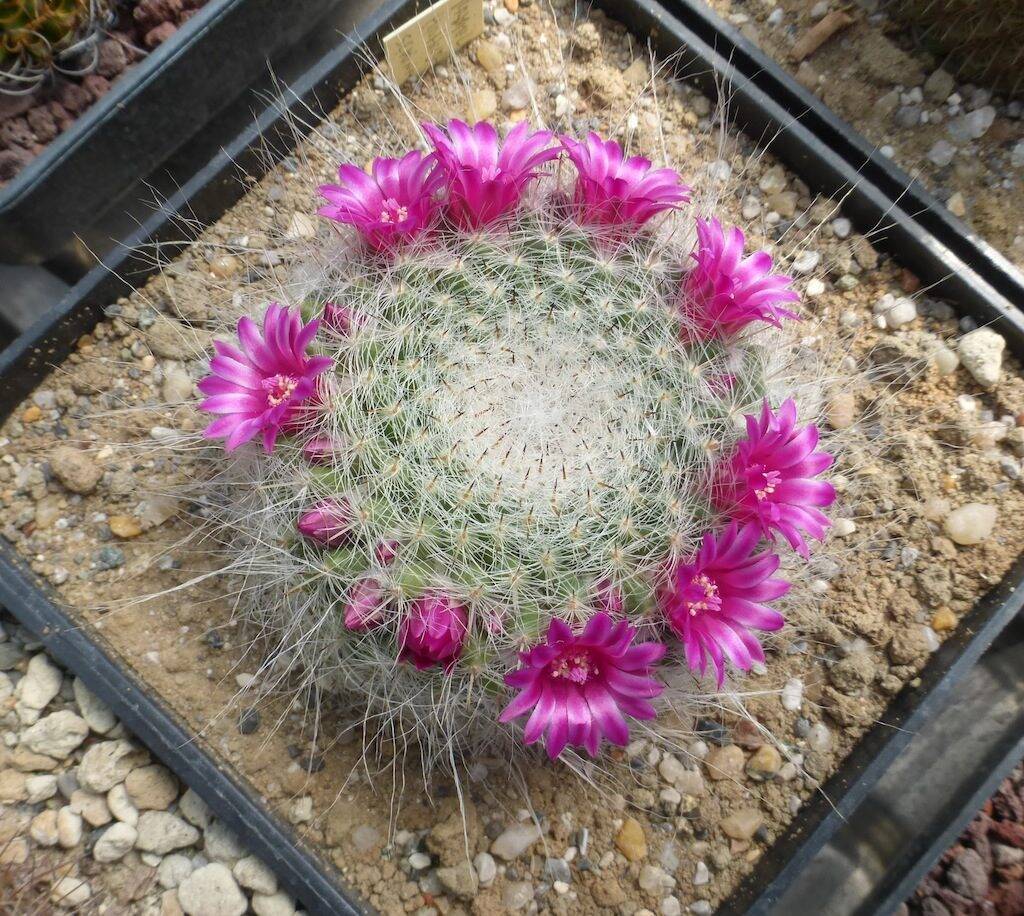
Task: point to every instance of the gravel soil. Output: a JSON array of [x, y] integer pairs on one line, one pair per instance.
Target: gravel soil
[[932, 516], [965, 144], [983, 873], [29, 122]]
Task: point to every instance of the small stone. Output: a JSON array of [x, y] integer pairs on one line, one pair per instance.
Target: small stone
[[764, 763], [701, 875], [515, 840], [300, 227], [805, 262], [124, 526], [942, 153], [943, 619], [91, 806], [842, 227], [843, 527], [819, 737], [968, 875], [115, 843], [742, 824], [946, 361], [279, 904], [224, 266], [489, 57], [517, 894], [792, 694], [151, 787], [517, 96], [107, 763], [725, 763], [221, 844], [43, 828], [956, 204], [938, 87], [459, 880], [194, 809], [120, 805], [655, 880], [162, 832], [301, 810], [251, 873], [40, 788], [896, 311], [78, 471], [56, 735], [173, 869], [486, 869], [630, 840], [211, 891], [70, 893], [483, 103], [419, 861], [40, 684], [981, 352], [556, 869], [971, 524], [69, 827], [177, 386], [95, 712]]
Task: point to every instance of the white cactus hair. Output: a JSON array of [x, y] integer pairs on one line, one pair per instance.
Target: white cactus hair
[[520, 411]]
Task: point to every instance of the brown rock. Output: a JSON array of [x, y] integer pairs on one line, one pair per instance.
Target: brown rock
[[456, 826], [79, 472], [742, 824], [124, 526], [764, 763], [909, 646], [725, 763], [630, 840], [943, 619], [607, 892]]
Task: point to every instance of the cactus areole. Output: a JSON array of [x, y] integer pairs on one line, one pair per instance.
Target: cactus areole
[[496, 462]]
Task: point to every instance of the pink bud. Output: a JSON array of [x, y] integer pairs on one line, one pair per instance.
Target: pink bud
[[609, 598], [433, 632], [342, 319], [365, 605], [322, 450], [328, 523], [386, 551]]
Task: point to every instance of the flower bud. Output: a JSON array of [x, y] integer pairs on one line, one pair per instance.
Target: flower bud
[[433, 632], [322, 450], [365, 605], [327, 523]]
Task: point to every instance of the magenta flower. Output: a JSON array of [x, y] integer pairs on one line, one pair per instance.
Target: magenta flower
[[486, 177], [432, 632], [609, 598], [261, 387], [392, 205], [364, 607], [612, 190], [581, 688], [714, 600], [768, 479], [328, 523], [342, 319], [724, 292]]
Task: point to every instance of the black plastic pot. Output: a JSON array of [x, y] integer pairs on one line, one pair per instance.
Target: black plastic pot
[[69, 205], [214, 187]]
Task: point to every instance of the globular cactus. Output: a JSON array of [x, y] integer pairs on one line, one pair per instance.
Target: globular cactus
[[983, 40], [501, 466], [35, 33]]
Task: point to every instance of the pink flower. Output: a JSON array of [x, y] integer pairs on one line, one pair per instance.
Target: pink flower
[[768, 479], [342, 319], [395, 203], [320, 450], [364, 607], [328, 523], [433, 632], [260, 388], [713, 600], [486, 178], [724, 292], [581, 688], [612, 190], [386, 551]]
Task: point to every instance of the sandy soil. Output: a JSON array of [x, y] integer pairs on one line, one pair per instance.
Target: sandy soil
[[891, 587]]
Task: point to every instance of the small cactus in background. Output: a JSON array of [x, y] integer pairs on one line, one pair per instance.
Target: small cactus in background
[[983, 39], [500, 467], [35, 35]]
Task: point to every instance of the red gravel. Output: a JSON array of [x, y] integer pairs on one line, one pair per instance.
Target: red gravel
[[29, 123], [983, 873]]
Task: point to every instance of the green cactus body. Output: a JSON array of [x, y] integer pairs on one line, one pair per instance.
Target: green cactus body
[[34, 32]]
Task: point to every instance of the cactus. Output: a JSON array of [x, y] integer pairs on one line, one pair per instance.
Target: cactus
[[984, 41], [505, 468], [35, 34]]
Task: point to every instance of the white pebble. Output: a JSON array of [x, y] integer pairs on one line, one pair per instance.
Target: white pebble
[[792, 694]]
